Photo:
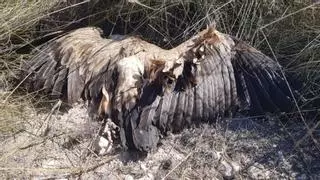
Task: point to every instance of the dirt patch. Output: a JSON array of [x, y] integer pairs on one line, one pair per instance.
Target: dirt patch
[[59, 146]]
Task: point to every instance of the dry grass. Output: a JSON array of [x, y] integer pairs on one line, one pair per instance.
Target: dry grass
[[289, 31], [19, 17]]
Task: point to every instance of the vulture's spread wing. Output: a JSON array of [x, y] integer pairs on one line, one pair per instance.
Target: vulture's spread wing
[[62, 66], [81, 64], [149, 91], [218, 75]]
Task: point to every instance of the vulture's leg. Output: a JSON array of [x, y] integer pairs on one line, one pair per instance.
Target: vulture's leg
[[103, 143]]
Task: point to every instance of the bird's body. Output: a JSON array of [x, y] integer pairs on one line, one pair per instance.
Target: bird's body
[[149, 91]]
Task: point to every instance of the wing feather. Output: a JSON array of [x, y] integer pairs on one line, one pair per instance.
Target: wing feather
[[59, 86], [70, 64], [177, 120], [211, 99], [265, 89], [56, 64], [190, 108], [173, 106], [205, 101], [164, 112], [230, 75]]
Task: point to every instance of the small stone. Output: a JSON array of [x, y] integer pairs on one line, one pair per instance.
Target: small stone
[[235, 166], [149, 176], [128, 177], [226, 170], [195, 60], [201, 49], [102, 146], [143, 167], [166, 164], [257, 171], [274, 145]]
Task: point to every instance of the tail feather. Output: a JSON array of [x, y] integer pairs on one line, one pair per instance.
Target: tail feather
[[138, 129]]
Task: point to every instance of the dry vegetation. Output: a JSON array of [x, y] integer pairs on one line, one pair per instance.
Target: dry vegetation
[[287, 30]]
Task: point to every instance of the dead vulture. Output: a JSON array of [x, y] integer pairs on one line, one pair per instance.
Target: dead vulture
[[148, 91]]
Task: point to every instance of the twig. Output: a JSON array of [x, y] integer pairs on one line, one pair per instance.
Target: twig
[[140, 4], [314, 128], [39, 142], [173, 169], [43, 128], [189, 154], [6, 99], [95, 166], [69, 171]]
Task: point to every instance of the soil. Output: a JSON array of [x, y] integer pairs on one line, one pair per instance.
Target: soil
[[57, 145]]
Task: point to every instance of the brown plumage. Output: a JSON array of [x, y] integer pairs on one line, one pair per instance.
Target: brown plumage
[[149, 91]]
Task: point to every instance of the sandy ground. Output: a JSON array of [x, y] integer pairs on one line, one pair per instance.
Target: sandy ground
[[57, 145]]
